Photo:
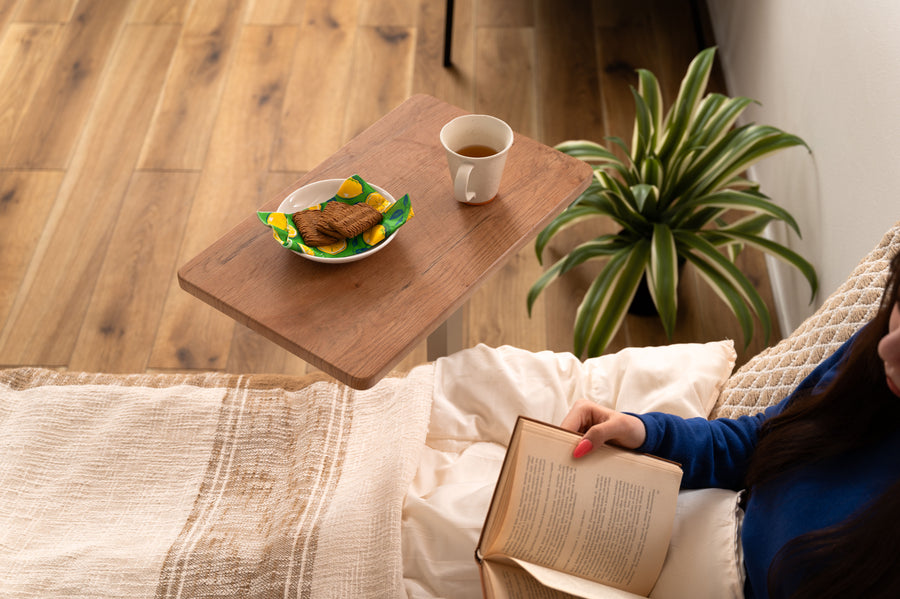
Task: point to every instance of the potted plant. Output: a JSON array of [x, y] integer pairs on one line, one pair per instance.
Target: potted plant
[[682, 173]]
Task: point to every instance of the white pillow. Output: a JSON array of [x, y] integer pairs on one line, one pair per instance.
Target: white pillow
[[705, 557], [479, 393]]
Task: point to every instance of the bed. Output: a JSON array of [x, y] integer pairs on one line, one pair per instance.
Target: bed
[[213, 485]]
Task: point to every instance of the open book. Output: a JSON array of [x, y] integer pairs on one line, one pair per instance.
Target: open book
[[598, 526]]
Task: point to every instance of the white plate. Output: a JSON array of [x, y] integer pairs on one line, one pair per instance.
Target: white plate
[[321, 191]]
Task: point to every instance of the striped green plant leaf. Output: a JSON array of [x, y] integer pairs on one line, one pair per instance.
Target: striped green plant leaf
[[646, 198], [740, 152], [590, 309], [564, 220], [588, 151], [624, 210], [652, 172], [603, 307], [706, 113], [739, 200], [545, 279], [618, 300], [643, 133], [708, 253], [692, 87], [782, 253], [662, 276], [649, 91], [752, 224], [720, 122], [602, 246], [727, 292]]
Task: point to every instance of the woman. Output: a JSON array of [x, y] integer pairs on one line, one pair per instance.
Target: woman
[[822, 468]]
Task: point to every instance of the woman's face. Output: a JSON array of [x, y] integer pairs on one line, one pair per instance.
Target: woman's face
[[889, 350]]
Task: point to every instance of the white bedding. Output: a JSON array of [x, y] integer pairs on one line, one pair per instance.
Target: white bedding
[[478, 395]]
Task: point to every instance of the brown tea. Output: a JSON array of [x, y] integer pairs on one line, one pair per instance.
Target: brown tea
[[477, 151]]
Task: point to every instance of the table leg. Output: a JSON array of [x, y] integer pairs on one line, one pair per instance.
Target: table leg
[[447, 338], [448, 34]]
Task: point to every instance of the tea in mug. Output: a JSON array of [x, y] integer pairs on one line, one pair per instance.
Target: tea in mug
[[477, 151], [476, 146]]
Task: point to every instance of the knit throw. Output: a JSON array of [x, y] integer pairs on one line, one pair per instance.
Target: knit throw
[[204, 485]]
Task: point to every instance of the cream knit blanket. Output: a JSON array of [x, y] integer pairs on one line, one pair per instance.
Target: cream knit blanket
[[204, 485]]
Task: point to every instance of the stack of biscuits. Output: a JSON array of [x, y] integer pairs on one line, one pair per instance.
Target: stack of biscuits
[[334, 222]]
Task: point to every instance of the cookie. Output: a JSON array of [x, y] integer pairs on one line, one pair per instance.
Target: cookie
[[307, 223], [346, 220]]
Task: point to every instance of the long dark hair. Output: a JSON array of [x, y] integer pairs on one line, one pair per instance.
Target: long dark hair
[[861, 553]]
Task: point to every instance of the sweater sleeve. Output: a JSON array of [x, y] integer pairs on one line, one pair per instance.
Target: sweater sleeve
[[716, 453], [713, 453]]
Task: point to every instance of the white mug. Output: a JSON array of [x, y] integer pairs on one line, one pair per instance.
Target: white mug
[[477, 146]]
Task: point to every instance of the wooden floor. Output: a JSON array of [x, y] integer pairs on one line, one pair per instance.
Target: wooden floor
[[135, 133]]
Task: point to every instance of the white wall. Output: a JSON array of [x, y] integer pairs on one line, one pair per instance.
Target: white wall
[[828, 71]]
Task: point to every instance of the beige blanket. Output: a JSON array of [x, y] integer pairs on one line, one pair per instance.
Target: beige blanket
[[206, 485]]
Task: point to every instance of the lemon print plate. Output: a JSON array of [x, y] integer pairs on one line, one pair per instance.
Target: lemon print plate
[[352, 190]]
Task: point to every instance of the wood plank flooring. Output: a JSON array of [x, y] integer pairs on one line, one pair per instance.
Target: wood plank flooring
[[133, 133]]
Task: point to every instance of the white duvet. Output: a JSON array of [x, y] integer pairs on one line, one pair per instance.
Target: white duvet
[[478, 395]]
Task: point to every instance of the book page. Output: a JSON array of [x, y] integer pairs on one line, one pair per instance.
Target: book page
[[505, 580], [606, 517], [573, 585]]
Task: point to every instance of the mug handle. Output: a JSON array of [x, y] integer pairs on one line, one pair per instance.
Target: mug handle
[[461, 183]]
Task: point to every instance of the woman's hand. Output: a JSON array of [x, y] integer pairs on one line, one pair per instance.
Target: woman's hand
[[601, 425]]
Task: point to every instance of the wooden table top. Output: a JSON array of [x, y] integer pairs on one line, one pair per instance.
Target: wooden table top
[[356, 321]]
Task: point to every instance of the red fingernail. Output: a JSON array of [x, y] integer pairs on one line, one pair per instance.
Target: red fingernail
[[582, 448]]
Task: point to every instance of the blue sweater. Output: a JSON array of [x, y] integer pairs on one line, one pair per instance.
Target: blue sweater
[[715, 453]]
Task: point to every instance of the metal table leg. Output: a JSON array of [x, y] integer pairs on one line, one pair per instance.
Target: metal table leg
[[448, 34]]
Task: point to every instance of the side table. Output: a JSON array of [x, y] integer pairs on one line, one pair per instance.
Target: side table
[[356, 321]]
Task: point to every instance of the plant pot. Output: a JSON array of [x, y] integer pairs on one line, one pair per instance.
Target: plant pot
[[642, 303]]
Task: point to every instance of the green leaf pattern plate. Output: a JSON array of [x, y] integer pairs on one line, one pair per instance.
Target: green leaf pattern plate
[[352, 190]]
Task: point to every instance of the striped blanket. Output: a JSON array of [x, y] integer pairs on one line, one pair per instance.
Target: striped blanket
[[205, 485]]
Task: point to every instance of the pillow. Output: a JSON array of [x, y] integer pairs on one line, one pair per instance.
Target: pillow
[[479, 393], [771, 375], [705, 557]]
